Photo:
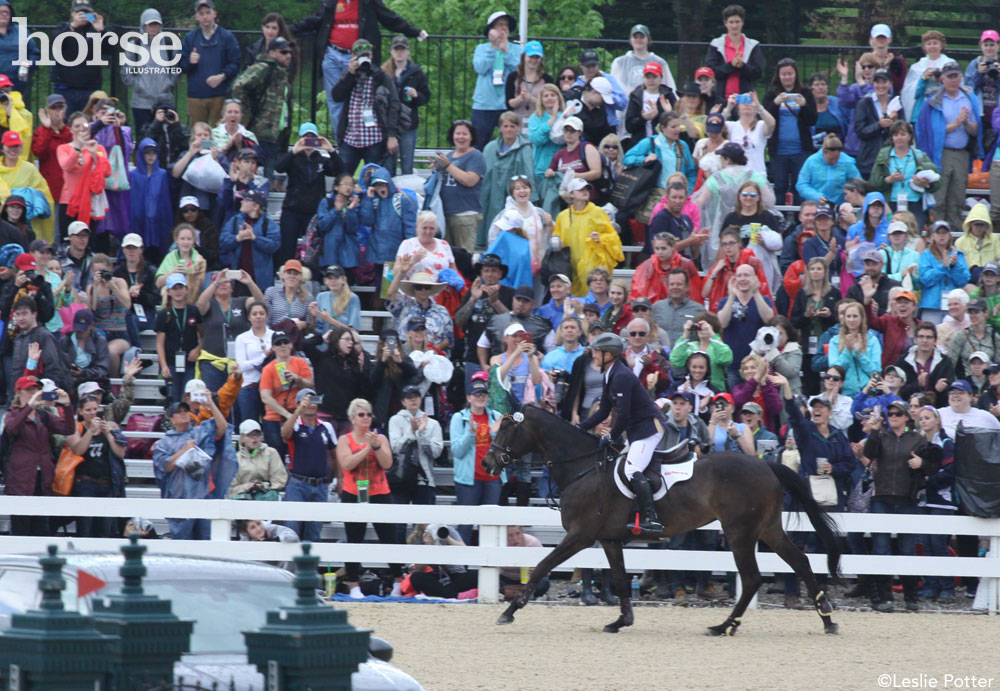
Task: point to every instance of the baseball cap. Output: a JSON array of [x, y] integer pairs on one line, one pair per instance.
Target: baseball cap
[[900, 405], [977, 304], [278, 43], [821, 400], [730, 150], [409, 390], [400, 40], [992, 267], [303, 393], [174, 280], [751, 407], [589, 57], [728, 398], [592, 307], [189, 201], [686, 395], [310, 128], [255, 196], [132, 240], [279, 337], [574, 123], [940, 227], [898, 227], [27, 382], [653, 68], [881, 73], [416, 324], [565, 279], [907, 295], [26, 262], [334, 270], [960, 385], [478, 386], [361, 47], [599, 84], [715, 123], [525, 293], [639, 29], [54, 100], [595, 326], [642, 301], [989, 35], [81, 6], [704, 72], [873, 256], [248, 426], [194, 386], [577, 184], [83, 320], [379, 176], [86, 388], [12, 138], [39, 245], [513, 328], [981, 356], [534, 48], [245, 153], [292, 265], [881, 30], [208, 3], [897, 371], [151, 16], [950, 66], [824, 210], [177, 407]]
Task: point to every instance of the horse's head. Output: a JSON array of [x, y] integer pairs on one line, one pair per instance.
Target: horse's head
[[512, 441]]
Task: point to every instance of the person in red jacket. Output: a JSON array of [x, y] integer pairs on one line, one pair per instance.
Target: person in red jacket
[[716, 285], [50, 134], [650, 278], [898, 327]]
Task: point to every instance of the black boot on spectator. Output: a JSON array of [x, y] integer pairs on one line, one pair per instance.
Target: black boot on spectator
[[607, 592], [860, 588], [910, 593], [523, 493], [882, 600], [587, 596]]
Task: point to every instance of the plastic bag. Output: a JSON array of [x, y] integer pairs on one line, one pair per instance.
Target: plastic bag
[[206, 174]]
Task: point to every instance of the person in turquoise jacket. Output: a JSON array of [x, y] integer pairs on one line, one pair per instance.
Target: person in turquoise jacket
[[860, 355], [873, 227], [824, 173], [550, 106], [473, 486], [493, 61], [671, 151], [942, 269]]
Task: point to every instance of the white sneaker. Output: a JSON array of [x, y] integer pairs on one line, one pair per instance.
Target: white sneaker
[[356, 593], [396, 590]]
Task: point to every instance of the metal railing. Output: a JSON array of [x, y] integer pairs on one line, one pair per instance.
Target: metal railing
[[492, 552]]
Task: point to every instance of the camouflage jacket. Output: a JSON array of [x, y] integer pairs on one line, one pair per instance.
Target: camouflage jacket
[[262, 90]]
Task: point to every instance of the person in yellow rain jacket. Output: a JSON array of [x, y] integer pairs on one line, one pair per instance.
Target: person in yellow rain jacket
[[17, 173], [14, 115], [980, 244], [586, 229]]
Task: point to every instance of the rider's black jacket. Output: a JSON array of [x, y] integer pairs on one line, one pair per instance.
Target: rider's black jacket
[[635, 411]]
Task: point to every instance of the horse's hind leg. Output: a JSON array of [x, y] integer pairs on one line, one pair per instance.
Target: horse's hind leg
[[616, 562], [783, 546], [563, 551], [746, 563]]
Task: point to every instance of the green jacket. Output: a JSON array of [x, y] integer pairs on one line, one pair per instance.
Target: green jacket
[[880, 171], [500, 169], [719, 355], [262, 89]]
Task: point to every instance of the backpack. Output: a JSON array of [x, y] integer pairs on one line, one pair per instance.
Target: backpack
[[141, 448], [406, 468], [310, 245], [606, 183]]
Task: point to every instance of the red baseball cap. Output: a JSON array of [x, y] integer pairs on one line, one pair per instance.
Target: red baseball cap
[[652, 68], [725, 397], [704, 72], [11, 138], [26, 262], [28, 382], [5, 81]]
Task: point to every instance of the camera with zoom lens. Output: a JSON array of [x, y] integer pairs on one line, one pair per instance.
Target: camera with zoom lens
[[105, 275], [364, 63], [766, 339], [4, 98], [993, 69]]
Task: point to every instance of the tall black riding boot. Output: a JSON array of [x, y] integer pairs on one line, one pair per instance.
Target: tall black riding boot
[[910, 592], [587, 596], [607, 592], [884, 588], [649, 521]]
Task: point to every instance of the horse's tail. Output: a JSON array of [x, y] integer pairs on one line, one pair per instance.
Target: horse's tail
[[823, 524]]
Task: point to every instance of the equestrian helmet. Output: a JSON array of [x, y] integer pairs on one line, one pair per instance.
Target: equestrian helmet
[[608, 342]]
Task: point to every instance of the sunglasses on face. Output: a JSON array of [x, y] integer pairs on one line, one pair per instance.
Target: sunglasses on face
[[896, 413], [728, 243], [749, 194], [830, 377], [640, 308], [362, 413], [567, 78], [636, 334]]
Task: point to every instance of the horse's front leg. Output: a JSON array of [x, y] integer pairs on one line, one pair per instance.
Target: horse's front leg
[[616, 562], [564, 550]]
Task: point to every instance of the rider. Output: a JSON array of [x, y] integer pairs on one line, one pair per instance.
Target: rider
[[635, 413]]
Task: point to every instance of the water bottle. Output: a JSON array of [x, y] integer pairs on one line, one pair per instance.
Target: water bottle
[[635, 588]]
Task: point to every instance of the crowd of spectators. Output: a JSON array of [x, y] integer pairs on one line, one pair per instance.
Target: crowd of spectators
[[860, 329]]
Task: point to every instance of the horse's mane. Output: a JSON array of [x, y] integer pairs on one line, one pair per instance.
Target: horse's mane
[[565, 425]]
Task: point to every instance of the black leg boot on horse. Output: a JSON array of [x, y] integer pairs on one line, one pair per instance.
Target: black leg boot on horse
[[649, 521]]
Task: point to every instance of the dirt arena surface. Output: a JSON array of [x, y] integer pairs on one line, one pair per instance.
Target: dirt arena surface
[[459, 647]]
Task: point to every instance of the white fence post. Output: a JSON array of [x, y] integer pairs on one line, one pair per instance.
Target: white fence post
[[993, 584], [221, 529], [489, 576]]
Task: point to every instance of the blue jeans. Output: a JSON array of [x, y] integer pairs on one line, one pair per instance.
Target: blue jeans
[[352, 156], [785, 171], [213, 377], [937, 546], [190, 528], [296, 490], [882, 542], [407, 148], [180, 380], [248, 403], [334, 64], [484, 121], [272, 435], [479, 493]]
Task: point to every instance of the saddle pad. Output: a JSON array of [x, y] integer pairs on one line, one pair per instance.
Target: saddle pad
[[672, 474]]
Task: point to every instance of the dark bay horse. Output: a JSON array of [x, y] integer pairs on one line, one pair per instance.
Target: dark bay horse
[[744, 493]]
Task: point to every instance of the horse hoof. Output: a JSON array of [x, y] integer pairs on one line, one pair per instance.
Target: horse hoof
[[611, 628], [505, 619], [830, 628], [719, 630]]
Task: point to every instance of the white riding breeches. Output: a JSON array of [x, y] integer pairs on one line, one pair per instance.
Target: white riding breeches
[[640, 452]]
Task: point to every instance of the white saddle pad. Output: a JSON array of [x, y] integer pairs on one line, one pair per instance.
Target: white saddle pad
[[672, 474]]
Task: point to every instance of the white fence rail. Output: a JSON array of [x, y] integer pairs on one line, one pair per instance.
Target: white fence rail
[[492, 551]]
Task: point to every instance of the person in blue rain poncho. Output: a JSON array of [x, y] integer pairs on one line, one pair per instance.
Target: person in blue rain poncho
[[151, 215]]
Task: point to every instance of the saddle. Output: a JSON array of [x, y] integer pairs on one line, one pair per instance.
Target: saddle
[[678, 453]]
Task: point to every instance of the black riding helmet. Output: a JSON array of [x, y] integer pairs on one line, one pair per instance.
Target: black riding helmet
[[608, 342]]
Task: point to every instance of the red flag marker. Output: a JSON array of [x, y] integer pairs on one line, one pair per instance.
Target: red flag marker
[[86, 583]]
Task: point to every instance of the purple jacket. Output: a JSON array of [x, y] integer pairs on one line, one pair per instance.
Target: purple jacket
[[30, 447], [119, 203], [743, 393]]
